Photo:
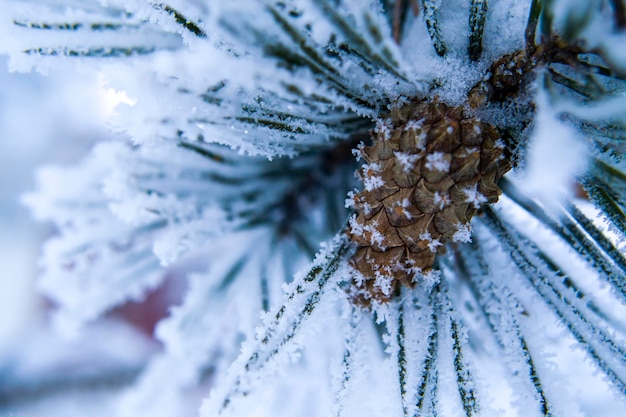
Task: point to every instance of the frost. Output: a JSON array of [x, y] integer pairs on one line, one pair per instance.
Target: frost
[[369, 169], [473, 196], [441, 201], [373, 182], [376, 238], [407, 161], [350, 203], [356, 228], [367, 231], [383, 128], [403, 205], [474, 150], [358, 151], [414, 125], [463, 233], [436, 162], [433, 244], [430, 279], [383, 282]]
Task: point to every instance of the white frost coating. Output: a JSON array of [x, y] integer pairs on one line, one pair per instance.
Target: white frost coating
[[133, 210], [406, 160], [545, 340], [358, 151], [413, 125], [351, 201], [376, 237], [368, 169], [430, 279], [373, 182], [436, 162], [473, 196], [277, 346], [207, 328], [91, 243], [350, 197], [383, 128], [384, 282], [463, 233], [403, 205], [433, 244], [609, 108], [469, 150], [358, 229], [441, 201], [554, 157], [355, 227]]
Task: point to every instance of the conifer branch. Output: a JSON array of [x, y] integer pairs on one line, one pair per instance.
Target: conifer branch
[[106, 52], [607, 201], [497, 305], [16, 393], [433, 25], [477, 19], [181, 20], [285, 323], [531, 27], [357, 42], [76, 26], [547, 280], [588, 246], [425, 396]]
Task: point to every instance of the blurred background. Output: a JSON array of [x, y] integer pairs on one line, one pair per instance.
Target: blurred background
[[44, 120]]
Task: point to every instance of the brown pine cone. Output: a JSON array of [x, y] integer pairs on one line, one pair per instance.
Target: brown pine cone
[[507, 75], [429, 169]]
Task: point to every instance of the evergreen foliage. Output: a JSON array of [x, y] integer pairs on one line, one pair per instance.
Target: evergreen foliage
[[241, 150]]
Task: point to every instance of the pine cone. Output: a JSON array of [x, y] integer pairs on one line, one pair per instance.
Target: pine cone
[[506, 77], [428, 171]]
